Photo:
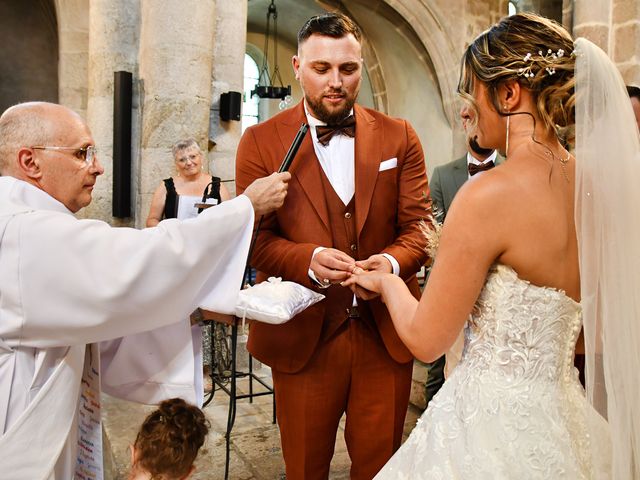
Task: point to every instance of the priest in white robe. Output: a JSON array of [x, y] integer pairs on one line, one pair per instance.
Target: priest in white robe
[[66, 284]]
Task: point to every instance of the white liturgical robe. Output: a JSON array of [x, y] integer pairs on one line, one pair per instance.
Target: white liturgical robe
[[66, 283]]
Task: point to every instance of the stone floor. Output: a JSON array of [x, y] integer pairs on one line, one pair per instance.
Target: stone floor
[[255, 441]]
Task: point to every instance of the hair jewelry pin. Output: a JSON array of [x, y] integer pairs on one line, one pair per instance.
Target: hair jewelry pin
[[548, 59]]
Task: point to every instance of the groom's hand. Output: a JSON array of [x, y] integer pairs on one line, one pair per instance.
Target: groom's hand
[[331, 266], [365, 285], [376, 263]]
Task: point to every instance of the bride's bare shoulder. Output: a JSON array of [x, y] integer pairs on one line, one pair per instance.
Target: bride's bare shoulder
[[482, 214], [489, 191]]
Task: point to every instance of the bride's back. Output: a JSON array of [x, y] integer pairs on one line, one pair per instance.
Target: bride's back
[[537, 206]]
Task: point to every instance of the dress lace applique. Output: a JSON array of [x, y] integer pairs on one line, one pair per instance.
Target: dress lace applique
[[513, 408]]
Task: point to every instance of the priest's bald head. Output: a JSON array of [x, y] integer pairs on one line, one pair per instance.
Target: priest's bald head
[[50, 147]]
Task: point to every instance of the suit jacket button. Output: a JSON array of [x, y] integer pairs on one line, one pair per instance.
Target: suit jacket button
[[347, 215], [353, 247]]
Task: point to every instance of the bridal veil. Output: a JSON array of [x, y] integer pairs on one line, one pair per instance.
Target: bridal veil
[[608, 228]]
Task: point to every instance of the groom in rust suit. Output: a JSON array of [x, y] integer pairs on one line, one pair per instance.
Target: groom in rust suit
[[356, 195]]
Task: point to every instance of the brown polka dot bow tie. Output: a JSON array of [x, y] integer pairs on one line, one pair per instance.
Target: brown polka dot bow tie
[[346, 127], [473, 168]]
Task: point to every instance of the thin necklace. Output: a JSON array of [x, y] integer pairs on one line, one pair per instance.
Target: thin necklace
[[563, 165], [563, 162]]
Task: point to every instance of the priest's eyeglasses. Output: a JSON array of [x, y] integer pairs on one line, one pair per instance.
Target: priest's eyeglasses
[[86, 154]]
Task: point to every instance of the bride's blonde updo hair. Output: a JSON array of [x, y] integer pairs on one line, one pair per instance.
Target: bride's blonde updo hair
[[535, 51]]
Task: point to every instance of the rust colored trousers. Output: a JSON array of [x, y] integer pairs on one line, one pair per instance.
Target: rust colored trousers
[[350, 372]]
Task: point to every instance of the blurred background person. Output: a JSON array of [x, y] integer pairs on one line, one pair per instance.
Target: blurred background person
[[176, 196]]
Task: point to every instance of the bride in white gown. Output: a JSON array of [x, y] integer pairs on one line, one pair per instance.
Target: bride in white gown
[[531, 250]]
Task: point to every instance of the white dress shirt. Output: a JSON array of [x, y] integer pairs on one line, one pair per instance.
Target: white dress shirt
[[473, 160], [337, 159]]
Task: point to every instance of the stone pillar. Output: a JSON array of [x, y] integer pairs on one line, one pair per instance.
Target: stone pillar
[[113, 46], [625, 49], [592, 20], [176, 45], [73, 38], [227, 75], [614, 25], [567, 14]]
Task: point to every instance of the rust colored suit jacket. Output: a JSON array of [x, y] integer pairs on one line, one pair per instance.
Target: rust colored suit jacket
[[389, 205]]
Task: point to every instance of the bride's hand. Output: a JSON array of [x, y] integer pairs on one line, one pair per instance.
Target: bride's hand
[[365, 285]]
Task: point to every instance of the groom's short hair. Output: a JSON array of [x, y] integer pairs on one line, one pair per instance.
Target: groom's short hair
[[334, 25], [633, 91]]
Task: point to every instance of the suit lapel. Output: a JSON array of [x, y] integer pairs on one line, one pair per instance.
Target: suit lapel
[[305, 167], [460, 172], [368, 153]]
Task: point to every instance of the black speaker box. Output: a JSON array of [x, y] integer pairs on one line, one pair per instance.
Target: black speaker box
[[122, 104], [230, 106]]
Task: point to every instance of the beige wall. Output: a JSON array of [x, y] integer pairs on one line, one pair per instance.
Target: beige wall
[[227, 75], [73, 41], [614, 25], [113, 46]]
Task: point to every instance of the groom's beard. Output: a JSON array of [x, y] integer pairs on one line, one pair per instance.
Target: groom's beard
[[476, 148], [335, 116]]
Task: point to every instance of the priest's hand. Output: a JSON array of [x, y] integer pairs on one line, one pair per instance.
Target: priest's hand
[[268, 193]]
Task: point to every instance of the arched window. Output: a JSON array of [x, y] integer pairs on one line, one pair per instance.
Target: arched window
[[250, 115], [513, 8]]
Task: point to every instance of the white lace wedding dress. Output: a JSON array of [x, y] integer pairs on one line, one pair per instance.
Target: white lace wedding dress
[[513, 408]]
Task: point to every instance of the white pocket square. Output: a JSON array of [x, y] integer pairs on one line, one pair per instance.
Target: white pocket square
[[387, 164]]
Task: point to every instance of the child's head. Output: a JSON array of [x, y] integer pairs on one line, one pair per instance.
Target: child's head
[[168, 441]]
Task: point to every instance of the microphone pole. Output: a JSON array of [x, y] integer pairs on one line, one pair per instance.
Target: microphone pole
[[284, 167], [293, 149]]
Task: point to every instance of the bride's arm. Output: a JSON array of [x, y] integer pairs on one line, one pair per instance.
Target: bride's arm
[[472, 238]]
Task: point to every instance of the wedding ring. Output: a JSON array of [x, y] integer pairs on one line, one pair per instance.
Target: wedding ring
[[326, 281]]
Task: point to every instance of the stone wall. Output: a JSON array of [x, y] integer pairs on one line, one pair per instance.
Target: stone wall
[[625, 48], [614, 25], [29, 63], [175, 74], [73, 42], [227, 75], [113, 46]]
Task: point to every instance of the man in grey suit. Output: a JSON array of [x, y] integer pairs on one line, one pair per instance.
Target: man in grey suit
[[445, 183]]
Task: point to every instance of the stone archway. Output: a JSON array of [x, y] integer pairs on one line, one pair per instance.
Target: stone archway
[[423, 28], [28, 62]]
